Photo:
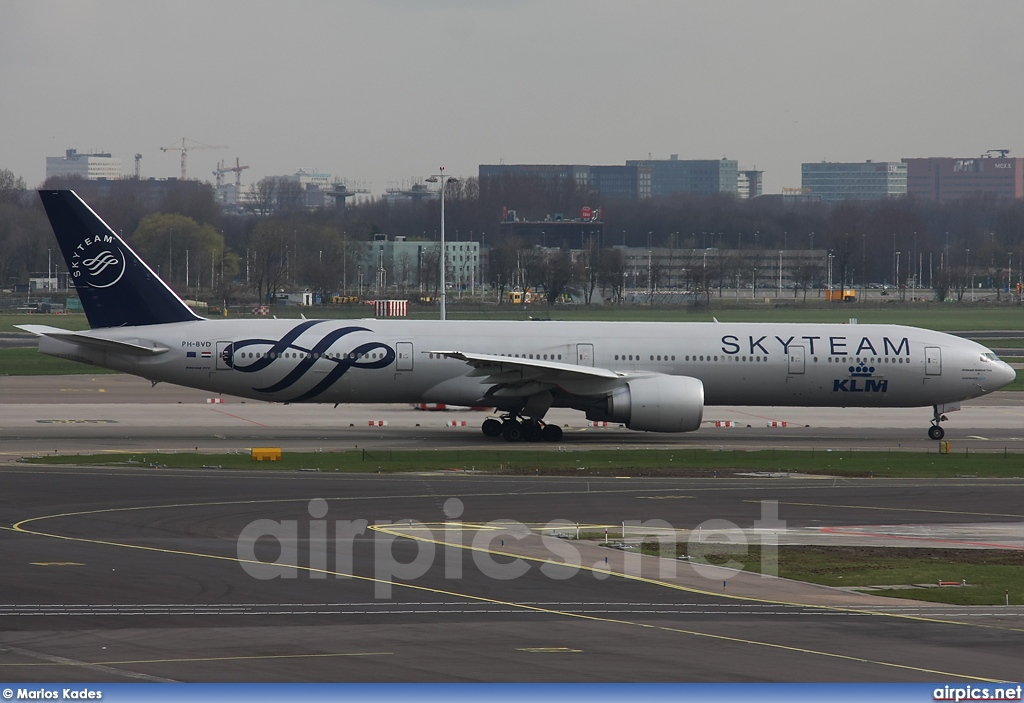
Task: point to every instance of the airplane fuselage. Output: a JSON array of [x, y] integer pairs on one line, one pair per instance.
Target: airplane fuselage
[[649, 376], [364, 361]]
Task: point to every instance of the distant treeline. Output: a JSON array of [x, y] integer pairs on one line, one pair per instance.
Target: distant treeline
[[280, 242]]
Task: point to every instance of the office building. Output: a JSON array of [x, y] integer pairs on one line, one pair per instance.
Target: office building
[[941, 179], [89, 167], [403, 264], [637, 179], [548, 174], [674, 176], [870, 180], [749, 184]]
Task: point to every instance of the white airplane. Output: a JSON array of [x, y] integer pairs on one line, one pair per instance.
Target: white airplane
[[653, 376]]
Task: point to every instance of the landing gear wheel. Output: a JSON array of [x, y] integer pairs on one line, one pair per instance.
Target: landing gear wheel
[[532, 431], [512, 431], [551, 433], [491, 427], [935, 431]]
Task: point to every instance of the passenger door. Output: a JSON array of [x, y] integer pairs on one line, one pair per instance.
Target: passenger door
[[584, 354], [225, 352], [796, 359], [403, 356]]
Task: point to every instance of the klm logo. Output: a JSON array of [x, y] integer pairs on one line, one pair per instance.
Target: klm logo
[[860, 381]]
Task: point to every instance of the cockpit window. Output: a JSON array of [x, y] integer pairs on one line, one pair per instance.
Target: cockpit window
[[989, 356]]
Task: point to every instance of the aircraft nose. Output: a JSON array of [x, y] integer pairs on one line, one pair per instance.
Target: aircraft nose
[[1007, 375]]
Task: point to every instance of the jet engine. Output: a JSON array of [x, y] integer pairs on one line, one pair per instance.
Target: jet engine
[[656, 404]]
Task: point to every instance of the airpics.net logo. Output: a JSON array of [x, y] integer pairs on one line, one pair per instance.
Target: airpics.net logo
[[405, 550], [97, 262]]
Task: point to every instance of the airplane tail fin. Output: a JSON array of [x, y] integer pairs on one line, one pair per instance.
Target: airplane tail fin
[[116, 287]]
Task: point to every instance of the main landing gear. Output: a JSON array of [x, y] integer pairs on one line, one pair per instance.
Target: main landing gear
[[521, 429], [935, 431]]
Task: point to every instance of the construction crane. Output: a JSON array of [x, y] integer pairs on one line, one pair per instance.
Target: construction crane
[[185, 148], [1002, 152], [138, 166], [237, 170]]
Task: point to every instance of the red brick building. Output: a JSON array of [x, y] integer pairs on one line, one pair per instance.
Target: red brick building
[[941, 179]]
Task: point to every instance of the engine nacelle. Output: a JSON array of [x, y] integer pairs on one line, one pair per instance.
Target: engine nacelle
[[659, 404]]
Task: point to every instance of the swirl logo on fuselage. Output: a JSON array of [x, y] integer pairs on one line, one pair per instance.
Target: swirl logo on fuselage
[[285, 351]]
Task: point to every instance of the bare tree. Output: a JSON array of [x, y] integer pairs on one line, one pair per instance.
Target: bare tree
[[805, 275], [267, 250], [290, 198], [430, 270], [504, 264], [559, 274], [587, 269], [727, 266], [942, 281], [403, 271], [533, 268], [612, 272], [262, 196], [12, 188]]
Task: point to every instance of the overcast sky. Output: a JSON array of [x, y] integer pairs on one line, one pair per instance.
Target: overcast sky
[[385, 92]]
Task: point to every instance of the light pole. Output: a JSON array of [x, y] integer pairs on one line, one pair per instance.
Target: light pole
[[967, 268], [650, 272], [442, 179], [899, 288], [780, 275]]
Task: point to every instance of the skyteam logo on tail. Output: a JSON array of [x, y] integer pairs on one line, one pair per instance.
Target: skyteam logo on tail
[[860, 381], [97, 262]]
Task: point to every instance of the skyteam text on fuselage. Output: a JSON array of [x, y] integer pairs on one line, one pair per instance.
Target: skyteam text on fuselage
[[653, 376]]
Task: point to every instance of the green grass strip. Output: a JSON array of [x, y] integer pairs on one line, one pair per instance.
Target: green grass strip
[[991, 575], [29, 362], [593, 462]]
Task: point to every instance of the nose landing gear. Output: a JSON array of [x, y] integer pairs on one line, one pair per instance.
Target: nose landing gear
[[935, 431], [516, 429]]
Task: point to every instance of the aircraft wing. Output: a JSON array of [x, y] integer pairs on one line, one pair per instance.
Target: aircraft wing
[[514, 376], [135, 348]]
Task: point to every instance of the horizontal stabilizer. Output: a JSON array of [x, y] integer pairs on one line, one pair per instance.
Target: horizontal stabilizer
[[136, 348]]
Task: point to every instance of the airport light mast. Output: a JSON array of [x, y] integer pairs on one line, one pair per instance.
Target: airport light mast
[[442, 179]]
